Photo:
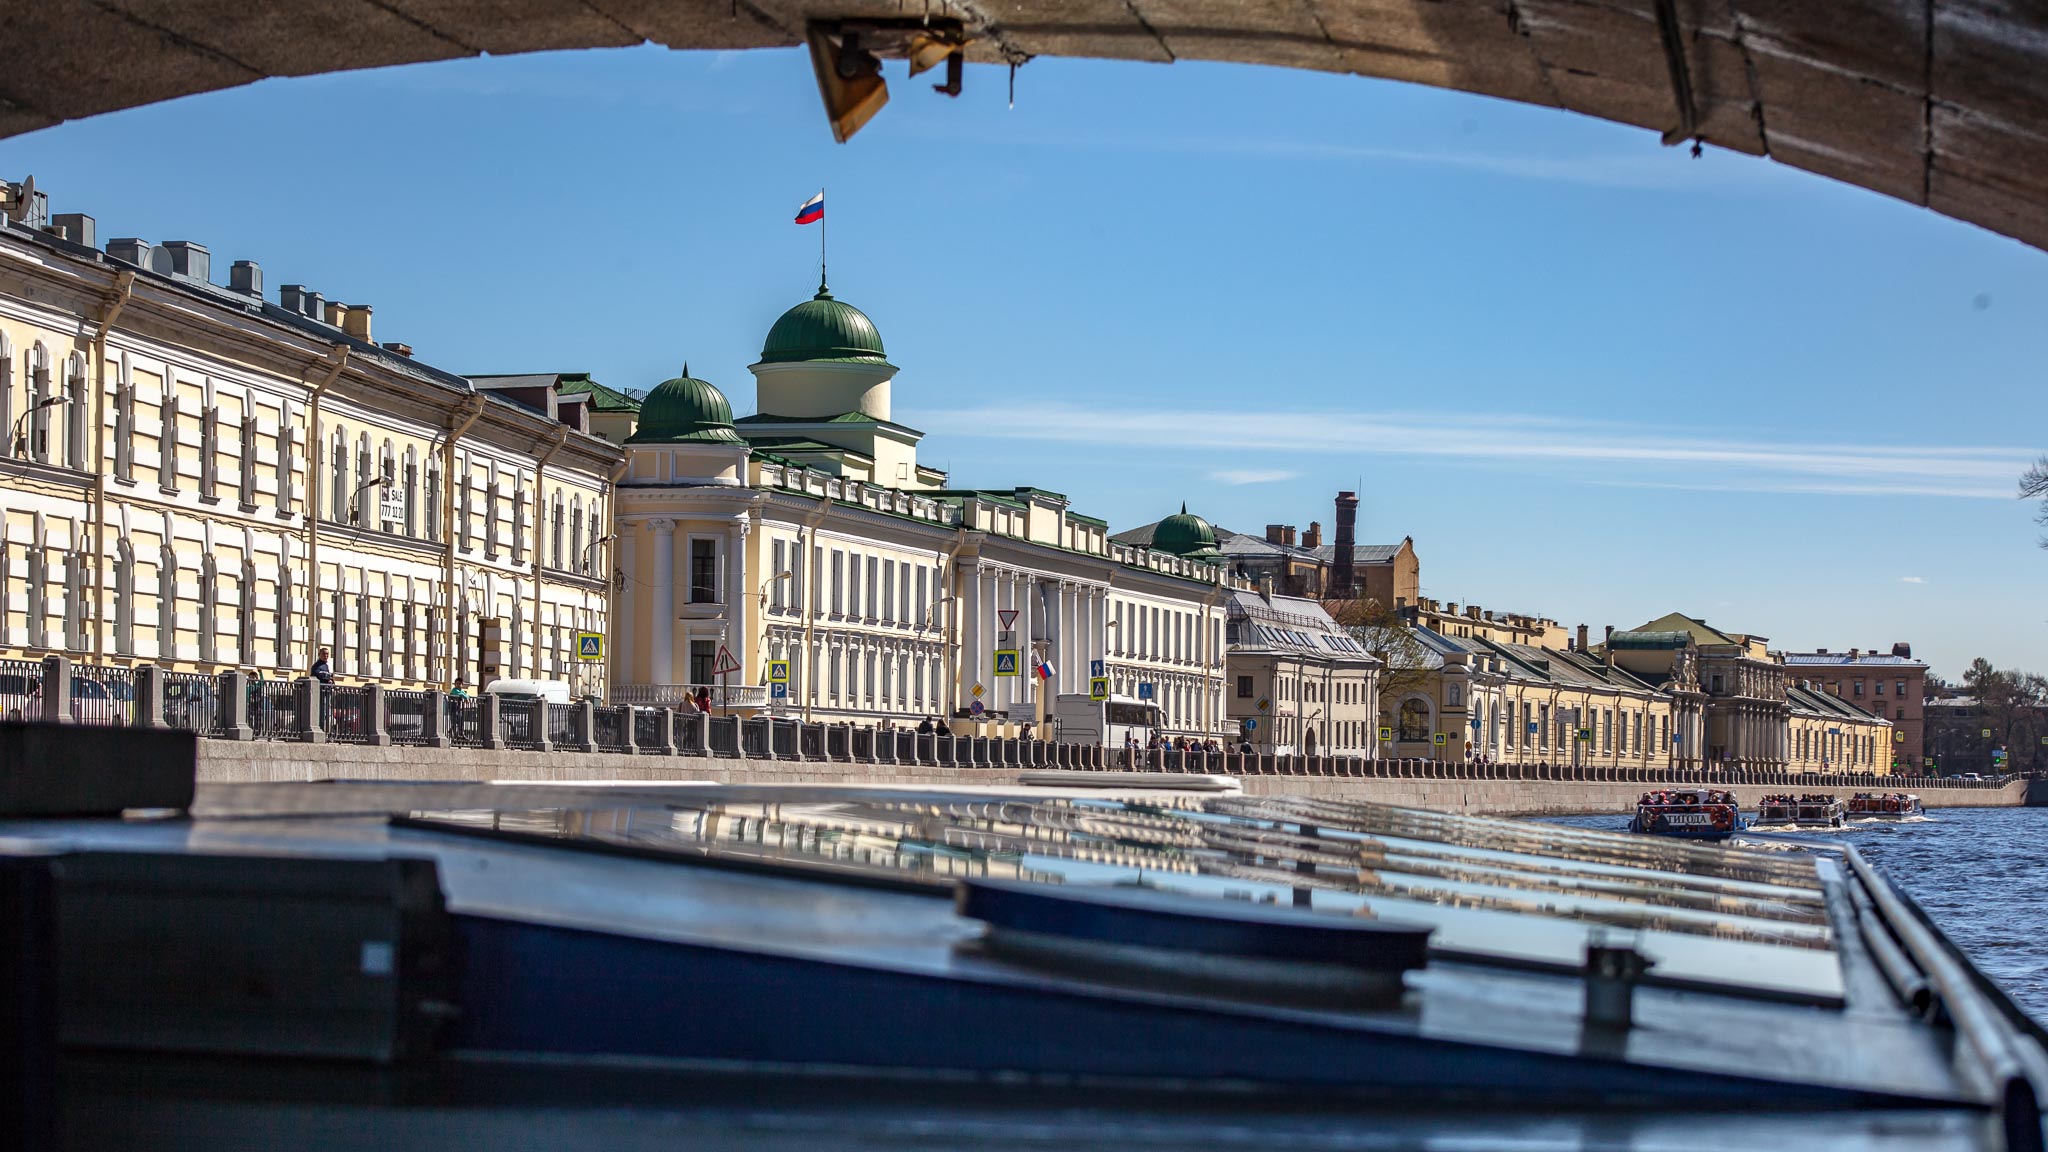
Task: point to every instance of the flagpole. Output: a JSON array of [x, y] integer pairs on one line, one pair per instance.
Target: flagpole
[[822, 282]]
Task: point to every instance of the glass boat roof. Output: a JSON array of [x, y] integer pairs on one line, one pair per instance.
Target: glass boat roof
[[1735, 920]]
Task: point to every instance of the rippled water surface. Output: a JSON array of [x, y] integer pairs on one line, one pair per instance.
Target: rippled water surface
[[1982, 873]]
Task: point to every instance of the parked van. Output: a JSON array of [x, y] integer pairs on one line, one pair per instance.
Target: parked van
[[552, 691]]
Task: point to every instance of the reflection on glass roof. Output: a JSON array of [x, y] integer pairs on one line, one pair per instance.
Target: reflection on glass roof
[[1493, 890]]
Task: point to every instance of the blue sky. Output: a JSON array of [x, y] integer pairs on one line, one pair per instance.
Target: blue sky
[[1591, 376]]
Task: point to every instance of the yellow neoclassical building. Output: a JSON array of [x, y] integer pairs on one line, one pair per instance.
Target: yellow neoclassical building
[[203, 478], [803, 560]]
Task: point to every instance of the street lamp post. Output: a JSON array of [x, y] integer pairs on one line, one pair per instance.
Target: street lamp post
[[355, 496], [18, 438]]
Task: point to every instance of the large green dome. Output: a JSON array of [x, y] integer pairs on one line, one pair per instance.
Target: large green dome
[[823, 328], [1185, 534], [683, 410]]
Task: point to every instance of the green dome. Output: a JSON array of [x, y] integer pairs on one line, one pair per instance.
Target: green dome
[[684, 409], [1185, 534], [822, 328]]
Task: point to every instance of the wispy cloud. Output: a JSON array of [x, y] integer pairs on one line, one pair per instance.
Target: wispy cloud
[[1601, 453], [1912, 579], [1253, 475]]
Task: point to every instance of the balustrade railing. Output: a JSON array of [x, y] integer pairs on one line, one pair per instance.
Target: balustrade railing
[[563, 722], [191, 700], [345, 713], [406, 715], [611, 722], [647, 731]]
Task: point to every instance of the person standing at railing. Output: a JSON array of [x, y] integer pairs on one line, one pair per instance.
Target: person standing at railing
[[703, 698], [323, 674], [458, 691]]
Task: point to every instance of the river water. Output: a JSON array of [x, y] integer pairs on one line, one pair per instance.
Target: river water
[[1982, 873]]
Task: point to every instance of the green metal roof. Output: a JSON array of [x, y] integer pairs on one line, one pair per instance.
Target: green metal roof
[[1622, 640], [602, 399], [685, 410], [824, 329], [1185, 534]]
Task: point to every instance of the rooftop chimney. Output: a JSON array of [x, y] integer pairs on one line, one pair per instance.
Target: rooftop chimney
[[129, 250], [1313, 538], [76, 227], [1903, 651], [357, 322], [394, 346], [1855, 652], [292, 298], [189, 261], [1820, 651], [1344, 569], [336, 313], [1582, 637], [245, 277], [316, 306], [1273, 533]]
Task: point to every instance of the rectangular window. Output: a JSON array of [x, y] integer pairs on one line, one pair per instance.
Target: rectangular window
[[852, 584], [775, 581], [921, 601], [888, 590], [287, 445], [1859, 689], [874, 566], [796, 576], [167, 439], [703, 572], [1880, 687], [1543, 727], [703, 658], [1244, 687], [838, 588], [246, 475]]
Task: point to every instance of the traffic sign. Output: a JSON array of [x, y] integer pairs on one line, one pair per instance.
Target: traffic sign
[[1008, 616], [726, 663], [976, 708], [1586, 734], [1532, 727], [1251, 724], [1438, 740], [1386, 733], [978, 690], [1006, 661], [1146, 690], [1264, 703], [778, 671], [590, 645], [778, 689], [1986, 733], [1899, 737], [1095, 669], [1098, 688]]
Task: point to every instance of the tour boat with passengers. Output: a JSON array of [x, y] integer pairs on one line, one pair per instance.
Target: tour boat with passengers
[[1688, 813], [1885, 805], [1808, 810]]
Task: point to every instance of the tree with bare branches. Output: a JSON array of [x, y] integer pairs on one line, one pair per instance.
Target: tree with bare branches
[[2034, 486]]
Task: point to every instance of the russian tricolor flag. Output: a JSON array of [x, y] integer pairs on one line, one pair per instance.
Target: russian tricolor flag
[[1045, 670], [812, 211]]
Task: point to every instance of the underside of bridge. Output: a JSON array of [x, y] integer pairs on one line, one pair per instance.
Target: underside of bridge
[[1941, 103]]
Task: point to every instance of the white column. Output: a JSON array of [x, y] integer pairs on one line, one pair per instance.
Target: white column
[[736, 600], [622, 637], [661, 625]]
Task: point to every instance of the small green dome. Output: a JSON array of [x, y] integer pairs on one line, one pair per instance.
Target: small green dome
[[822, 328], [1185, 534], [684, 409]]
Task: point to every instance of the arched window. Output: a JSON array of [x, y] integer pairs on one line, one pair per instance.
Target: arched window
[[361, 499], [594, 564], [167, 434], [6, 384], [287, 449], [124, 597], [412, 492], [74, 597], [1415, 722], [337, 504], [124, 421], [433, 527], [575, 534], [209, 444], [388, 471], [518, 521], [555, 533], [38, 435], [284, 608], [167, 603], [245, 468], [209, 602], [80, 415]]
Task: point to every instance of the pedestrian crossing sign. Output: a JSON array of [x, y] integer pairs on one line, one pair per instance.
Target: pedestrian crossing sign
[[1586, 734], [1439, 740], [1098, 688], [590, 645], [778, 671], [1006, 661], [1386, 733]]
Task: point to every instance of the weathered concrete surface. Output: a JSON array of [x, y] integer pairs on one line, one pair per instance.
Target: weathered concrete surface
[[222, 762], [1942, 104]]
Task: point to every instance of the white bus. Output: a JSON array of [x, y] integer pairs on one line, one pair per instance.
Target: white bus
[[1077, 719]]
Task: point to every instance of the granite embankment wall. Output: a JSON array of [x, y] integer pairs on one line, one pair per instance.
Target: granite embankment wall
[[226, 762]]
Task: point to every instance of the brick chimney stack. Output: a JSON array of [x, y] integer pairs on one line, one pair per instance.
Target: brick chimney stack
[[1344, 568]]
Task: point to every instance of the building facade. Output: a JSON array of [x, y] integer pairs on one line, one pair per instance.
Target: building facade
[[1299, 683], [1890, 684], [203, 479], [802, 560]]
